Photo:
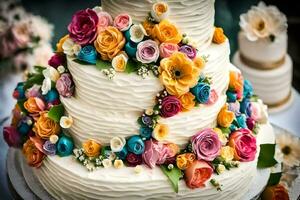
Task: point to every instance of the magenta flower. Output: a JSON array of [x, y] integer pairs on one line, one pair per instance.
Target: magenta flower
[[170, 106], [189, 51], [206, 144], [57, 60], [83, 27], [11, 136], [147, 51], [133, 159], [65, 85]]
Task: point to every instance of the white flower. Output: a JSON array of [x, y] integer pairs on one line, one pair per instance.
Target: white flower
[[118, 164], [112, 156], [137, 33], [290, 147], [119, 62], [66, 122], [149, 111], [61, 69], [71, 48], [51, 73], [220, 168], [106, 163], [90, 167], [53, 139], [263, 21], [160, 11], [138, 169], [97, 9], [263, 112], [117, 144], [46, 86]]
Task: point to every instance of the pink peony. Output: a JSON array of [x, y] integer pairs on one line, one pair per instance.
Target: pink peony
[[170, 106], [105, 20], [57, 60], [65, 85], [213, 97], [83, 27], [11, 136], [244, 144], [147, 51], [167, 49], [34, 91], [206, 144], [123, 22], [197, 174]]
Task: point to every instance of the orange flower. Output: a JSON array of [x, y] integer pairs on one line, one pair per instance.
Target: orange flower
[[16, 116], [167, 32], [45, 127], [34, 105], [219, 36], [183, 161], [276, 192], [236, 81], [148, 26], [225, 117], [60, 43], [197, 174], [174, 149], [33, 156], [109, 43], [199, 63], [178, 73], [91, 148], [187, 101]]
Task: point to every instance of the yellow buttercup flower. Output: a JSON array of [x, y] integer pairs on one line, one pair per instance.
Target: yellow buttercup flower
[[187, 101], [183, 161], [160, 132], [109, 43], [225, 117], [91, 148], [178, 73], [45, 127], [219, 36], [167, 32], [227, 153], [60, 43]]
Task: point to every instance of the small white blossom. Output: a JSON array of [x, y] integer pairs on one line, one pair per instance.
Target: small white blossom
[[46, 86], [61, 69], [118, 164], [117, 144], [66, 122], [138, 169], [71, 48], [107, 163], [51, 73], [137, 33]]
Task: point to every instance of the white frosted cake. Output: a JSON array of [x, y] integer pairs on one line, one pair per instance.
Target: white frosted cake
[[262, 55], [140, 101]]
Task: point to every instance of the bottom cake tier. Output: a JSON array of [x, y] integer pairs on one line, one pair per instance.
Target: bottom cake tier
[[64, 178]]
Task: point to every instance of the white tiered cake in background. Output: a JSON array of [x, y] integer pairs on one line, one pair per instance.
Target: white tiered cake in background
[[262, 55]]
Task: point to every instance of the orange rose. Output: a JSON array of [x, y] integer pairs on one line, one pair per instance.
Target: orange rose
[[91, 148], [34, 105], [199, 63], [183, 161], [167, 32], [148, 26], [174, 149], [109, 43], [33, 156], [44, 127], [60, 43], [236, 82], [197, 174], [276, 192], [187, 101], [225, 117], [219, 36], [16, 116]]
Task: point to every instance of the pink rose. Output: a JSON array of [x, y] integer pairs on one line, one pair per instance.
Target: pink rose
[[197, 174], [147, 51], [244, 144], [65, 85], [213, 97], [123, 22], [34, 91], [11, 136], [255, 111], [170, 106], [105, 20], [167, 49], [206, 144]]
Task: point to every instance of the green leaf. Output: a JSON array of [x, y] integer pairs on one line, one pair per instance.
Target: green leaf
[[39, 69], [274, 178], [35, 79], [174, 175], [266, 156], [132, 66], [21, 105], [100, 64], [56, 112], [81, 62]]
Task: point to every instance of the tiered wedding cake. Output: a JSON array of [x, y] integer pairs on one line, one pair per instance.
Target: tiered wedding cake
[[153, 108], [262, 55]]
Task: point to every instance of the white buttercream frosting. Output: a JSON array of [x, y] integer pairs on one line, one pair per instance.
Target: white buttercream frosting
[[193, 17]]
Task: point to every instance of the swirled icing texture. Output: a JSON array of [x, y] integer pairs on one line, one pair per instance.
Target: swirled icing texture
[[104, 108], [193, 17], [64, 178]]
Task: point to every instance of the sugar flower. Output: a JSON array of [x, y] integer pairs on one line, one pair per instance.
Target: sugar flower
[[170, 106], [91, 148], [167, 32], [225, 117], [59, 45], [136, 145], [189, 51], [33, 155], [118, 164], [213, 97], [221, 136], [64, 146], [183, 161], [88, 54], [65, 85], [44, 127], [187, 101], [57, 60], [107, 163], [105, 20], [70, 48], [138, 169], [147, 51], [66, 122], [137, 33], [119, 62], [160, 132], [167, 49], [46, 86], [34, 105], [219, 36], [49, 148], [53, 139], [290, 147], [51, 73], [259, 111], [160, 11], [197, 174], [123, 22], [117, 144], [133, 159], [202, 92], [146, 132], [227, 153], [236, 82], [11, 136]]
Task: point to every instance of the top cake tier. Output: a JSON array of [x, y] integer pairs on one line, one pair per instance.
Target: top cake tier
[[193, 17]]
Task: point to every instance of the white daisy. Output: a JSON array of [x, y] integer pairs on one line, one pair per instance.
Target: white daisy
[[290, 147]]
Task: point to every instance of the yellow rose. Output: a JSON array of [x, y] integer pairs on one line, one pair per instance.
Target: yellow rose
[[119, 62], [221, 136], [91, 148], [187, 101], [60, 43], [219, 36], [236, 81], [160, 132], [109, 43], [167, 32], [148, 26], [44, 127], [227, 153], [199, 63], [34, 105], [178, 73], [225, 117], [183, 161]]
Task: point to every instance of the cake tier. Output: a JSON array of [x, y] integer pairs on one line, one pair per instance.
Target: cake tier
[[263, 50], [272, 86], [104, 108], [193, 17], [64, 178]]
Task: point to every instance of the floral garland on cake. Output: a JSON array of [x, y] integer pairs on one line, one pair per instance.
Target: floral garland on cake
[[40, 127]]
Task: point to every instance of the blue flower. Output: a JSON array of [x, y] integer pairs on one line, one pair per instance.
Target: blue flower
[[25, 125], [52, 96], [245, 107], [123, 153], [88, 54], [146, 132], [248, 89], [64, 146], [19, 92], [136, 145], [233, 127], [201, 91], [231, 96], [147, 121], [130, 49], [241, 120]]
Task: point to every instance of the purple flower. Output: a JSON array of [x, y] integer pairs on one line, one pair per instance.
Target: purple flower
[[147, 51], [235, 107], [250, 123], [147, 121], [49, 148], [189, 51], [11, 136], [57, 60], [170, 106], [206, 145], [133, 159], [65, 85], [83, 27]]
